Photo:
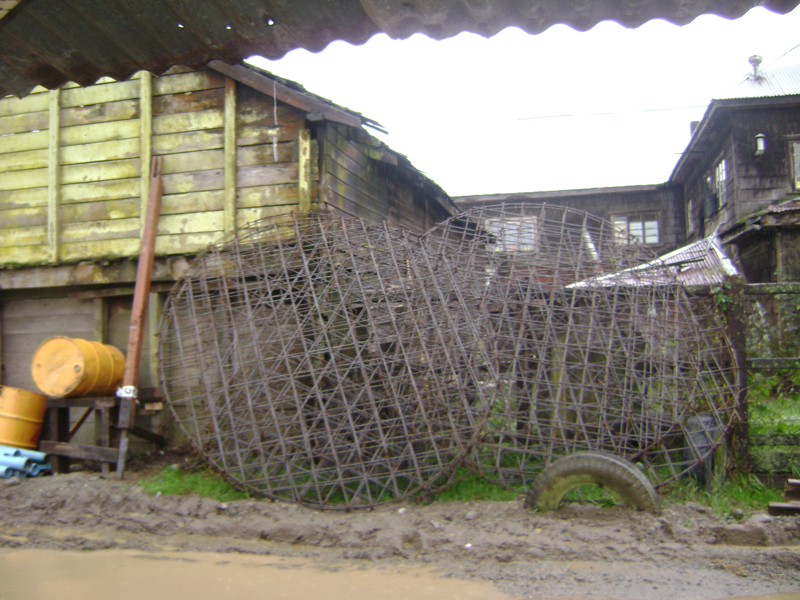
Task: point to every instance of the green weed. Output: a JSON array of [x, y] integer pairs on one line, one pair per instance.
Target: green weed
[[746, 493], [207, 484], [473, 487]]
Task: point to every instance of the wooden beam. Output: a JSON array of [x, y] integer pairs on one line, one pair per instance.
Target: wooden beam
[[757, 289], [53, 175], [773, 363], [146, 138], [100, 319], [229, 185], [97, 453], [304, 170], [737, 333], [295, 98], [155, 438]]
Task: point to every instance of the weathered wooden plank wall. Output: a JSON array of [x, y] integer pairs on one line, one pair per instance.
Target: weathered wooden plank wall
[[351, 181], [363, 179], [23, 177], [74, 165], [762, 180], [27, 323]]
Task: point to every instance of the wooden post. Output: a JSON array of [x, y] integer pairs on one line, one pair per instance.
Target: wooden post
[[737, 332], [144, 274], [229, 152], [146, 137], [53, 175], [304, 170]]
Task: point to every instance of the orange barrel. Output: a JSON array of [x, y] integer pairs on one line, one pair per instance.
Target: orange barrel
[[65, 366], [21, 417]]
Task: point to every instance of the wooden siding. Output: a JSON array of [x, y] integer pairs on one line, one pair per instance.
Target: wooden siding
[[753, 182], [762, 180], [24, 136], [73, 179], [638, 201], [363, 180]]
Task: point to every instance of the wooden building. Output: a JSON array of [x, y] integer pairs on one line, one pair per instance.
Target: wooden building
[[745, 153], [652, 214], [768, 243], [238, 144]]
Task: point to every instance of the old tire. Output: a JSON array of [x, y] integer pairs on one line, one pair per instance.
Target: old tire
[[606, 471]]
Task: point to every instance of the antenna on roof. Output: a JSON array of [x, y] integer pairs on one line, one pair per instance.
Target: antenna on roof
[[755, 60]]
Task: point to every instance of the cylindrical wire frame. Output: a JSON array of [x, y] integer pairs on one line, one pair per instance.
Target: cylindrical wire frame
[[325, 361], [594, 345]]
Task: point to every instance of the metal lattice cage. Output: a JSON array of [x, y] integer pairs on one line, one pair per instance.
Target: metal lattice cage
[[321, 359], [594, 344]]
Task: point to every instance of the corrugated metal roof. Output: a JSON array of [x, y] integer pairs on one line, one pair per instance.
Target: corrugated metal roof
[[702, 263], [50, 42], [781, 77], [789, 206], [776, 83]]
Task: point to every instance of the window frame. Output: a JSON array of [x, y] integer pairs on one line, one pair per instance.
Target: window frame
[[721, 182], [626, 236], [794, 161], [500, 227]]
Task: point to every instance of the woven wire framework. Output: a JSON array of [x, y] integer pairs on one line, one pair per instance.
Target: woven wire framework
[[325, 361], [592, 345]]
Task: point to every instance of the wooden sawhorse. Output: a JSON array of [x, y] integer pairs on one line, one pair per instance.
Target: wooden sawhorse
[[57, 433]]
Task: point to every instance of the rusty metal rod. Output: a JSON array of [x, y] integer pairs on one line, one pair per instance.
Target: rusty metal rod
[[144, 273]]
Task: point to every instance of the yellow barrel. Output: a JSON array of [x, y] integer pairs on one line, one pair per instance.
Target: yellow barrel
[[21, 417], [64, 366]]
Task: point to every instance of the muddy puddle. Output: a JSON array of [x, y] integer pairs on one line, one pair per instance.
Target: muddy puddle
[[128, 575]]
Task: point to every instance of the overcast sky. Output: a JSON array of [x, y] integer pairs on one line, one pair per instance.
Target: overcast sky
[[520, 113]]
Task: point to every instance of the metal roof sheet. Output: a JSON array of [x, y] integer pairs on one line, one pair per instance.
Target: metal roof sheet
[[50, 42], [702, 263], [789, 206], [781, 77]]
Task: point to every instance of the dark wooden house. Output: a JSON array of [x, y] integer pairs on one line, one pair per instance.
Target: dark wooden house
[[743, 157], [651, 214], [238, 144]]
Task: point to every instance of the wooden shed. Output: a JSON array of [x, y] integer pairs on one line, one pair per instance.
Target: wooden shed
[[238, 144]]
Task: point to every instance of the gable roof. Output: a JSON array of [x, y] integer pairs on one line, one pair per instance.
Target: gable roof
[[777, 84], [781, 77], [294, 94], [51, 42]]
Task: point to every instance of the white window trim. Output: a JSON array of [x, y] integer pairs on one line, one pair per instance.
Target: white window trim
[[627, 235]]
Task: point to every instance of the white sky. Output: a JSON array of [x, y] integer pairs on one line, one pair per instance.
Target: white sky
[[477, 115]]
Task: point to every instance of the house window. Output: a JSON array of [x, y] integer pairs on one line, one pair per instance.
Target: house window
[[689, 219], [642, 228], [513, 235], [796, 163], [720, 175]]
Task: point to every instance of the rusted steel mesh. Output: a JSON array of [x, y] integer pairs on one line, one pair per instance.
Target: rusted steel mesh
[[325, 361], [591, 347], [339, 364]]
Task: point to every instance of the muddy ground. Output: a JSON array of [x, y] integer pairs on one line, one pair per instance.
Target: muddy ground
[[577, 552]]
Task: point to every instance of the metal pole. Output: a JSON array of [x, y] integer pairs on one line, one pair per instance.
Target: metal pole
[[130, 379]]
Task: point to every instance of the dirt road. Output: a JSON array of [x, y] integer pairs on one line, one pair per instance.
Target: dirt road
[[577, 552]]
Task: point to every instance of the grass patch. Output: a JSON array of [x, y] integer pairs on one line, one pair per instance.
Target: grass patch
[[207, 484], [473, 487], [746, 493], [590, 494]]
